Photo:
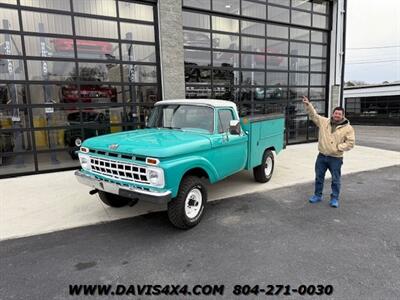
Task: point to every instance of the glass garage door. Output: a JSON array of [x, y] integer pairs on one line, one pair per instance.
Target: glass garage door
[[263, 55], [70, 70]]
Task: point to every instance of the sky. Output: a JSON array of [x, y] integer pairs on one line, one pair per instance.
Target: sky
[[373, 41]]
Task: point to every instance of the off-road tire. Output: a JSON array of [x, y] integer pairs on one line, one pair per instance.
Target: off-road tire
[[259, 172], [176, 208]]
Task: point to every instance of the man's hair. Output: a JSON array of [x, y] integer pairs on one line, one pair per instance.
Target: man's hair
[[339, 108]]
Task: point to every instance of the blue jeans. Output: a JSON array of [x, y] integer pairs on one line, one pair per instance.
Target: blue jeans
[[334, 165]]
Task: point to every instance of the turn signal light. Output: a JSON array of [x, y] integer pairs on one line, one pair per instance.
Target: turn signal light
[[152, 161], [84, 150]]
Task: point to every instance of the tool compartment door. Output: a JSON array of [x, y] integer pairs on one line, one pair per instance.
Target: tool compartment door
[[264, 132]]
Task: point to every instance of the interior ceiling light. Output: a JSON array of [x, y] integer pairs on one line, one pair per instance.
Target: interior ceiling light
[[228, 6]]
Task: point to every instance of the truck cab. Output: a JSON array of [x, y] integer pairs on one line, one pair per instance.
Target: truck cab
[[186, 145]]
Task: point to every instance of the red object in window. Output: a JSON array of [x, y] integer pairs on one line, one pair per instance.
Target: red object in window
[[67, 45], [88, 94]]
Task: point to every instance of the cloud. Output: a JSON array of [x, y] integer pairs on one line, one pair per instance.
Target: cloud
[[370, 24]]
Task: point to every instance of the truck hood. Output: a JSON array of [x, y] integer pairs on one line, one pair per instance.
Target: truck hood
[[151, 142]]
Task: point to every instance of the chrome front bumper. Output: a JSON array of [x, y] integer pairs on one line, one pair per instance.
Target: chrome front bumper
[[128, 192]]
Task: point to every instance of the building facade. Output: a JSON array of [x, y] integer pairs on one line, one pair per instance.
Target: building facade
[[74, 69], [373, 104]]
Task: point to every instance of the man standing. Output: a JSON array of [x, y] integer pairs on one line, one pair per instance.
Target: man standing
[[335, 136]]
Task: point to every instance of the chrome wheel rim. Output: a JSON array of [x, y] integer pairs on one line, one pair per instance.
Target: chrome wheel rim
[[78, 142], [268, 166], [193, 203]]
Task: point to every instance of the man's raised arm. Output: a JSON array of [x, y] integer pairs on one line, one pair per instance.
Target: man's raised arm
[[312, 113]]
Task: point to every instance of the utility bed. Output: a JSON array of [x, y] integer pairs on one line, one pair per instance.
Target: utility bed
[[265, 131]]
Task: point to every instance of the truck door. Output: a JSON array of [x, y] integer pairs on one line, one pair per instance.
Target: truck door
[[229, 153]]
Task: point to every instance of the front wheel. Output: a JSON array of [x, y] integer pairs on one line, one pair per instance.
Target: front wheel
[[263, 172], [186, 210], [114, 200]]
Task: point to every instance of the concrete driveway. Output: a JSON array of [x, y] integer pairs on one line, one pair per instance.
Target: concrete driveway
[[45, 203]]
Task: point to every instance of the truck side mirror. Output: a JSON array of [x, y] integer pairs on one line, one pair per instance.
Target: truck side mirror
[[234, 127]]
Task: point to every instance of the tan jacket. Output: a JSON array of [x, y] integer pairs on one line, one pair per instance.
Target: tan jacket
[[332, 144]]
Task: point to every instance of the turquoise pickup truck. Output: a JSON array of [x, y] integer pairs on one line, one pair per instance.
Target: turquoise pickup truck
[[185, 145]]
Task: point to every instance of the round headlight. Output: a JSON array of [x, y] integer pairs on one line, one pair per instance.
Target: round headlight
[[78, 142], [154, 177], [85, 161]]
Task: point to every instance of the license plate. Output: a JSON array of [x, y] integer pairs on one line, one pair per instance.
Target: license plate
[[107, 187]]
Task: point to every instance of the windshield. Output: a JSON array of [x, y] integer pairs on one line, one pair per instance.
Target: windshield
[[182, 117]]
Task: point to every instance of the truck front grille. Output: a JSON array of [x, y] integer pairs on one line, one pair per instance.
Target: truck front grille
[[119, 170], [113, 154]]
